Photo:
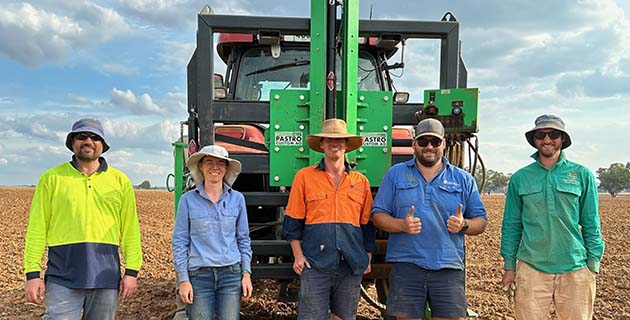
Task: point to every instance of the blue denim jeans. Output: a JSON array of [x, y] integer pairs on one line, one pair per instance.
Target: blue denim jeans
[[65, 303], [338, 292], [216, 293]]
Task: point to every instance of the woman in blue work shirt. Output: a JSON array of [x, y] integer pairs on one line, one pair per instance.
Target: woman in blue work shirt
[[211, 245]]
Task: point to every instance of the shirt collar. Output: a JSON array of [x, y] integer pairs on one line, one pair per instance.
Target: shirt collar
[[322, 166], [102, 164], [561, 159], [412, 162], [200, 190]]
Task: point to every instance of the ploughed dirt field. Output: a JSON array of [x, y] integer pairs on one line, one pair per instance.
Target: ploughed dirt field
[[155, 298]]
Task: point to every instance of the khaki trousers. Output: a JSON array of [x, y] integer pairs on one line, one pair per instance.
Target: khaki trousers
[[573, 294]]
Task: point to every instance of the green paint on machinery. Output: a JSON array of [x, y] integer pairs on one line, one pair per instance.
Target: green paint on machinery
[[294, 114], [292, 118], [456, 108]]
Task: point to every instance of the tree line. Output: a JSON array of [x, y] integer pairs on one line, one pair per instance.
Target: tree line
[[614, 179]]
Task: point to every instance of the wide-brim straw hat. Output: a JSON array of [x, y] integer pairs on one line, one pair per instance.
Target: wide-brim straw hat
[[334, 128], [548, 121], [232, 171]]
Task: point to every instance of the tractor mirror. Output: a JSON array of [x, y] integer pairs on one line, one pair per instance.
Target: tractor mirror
[[401, 97], [220, 92]]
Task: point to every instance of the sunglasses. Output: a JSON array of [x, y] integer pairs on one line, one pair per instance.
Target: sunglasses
[[553, 134], [84, 135], [423, 142]]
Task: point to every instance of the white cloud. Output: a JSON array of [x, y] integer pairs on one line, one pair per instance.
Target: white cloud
[[114, 68], [142, 104], [32, 36], [180, 14], [175, 55], [136, 135], [175, 103], [76, 99]]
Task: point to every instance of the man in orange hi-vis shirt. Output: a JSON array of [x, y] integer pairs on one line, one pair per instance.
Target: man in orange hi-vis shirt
[[327, 222]]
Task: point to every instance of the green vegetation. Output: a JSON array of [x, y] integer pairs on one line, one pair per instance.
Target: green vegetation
[[144, 185], [614, 179]]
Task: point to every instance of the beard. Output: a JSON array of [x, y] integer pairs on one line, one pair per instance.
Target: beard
[[549, 150], [429, 159], [87, 156]]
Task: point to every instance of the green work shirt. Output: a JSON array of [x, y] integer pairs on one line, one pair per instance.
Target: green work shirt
[[551, 218]]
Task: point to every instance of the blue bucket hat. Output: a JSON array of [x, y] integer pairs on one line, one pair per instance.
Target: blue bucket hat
[[548, 121], [87, 125]]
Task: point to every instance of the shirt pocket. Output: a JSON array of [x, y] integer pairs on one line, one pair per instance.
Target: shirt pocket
[[355, 204], [454, 197], [228, 220], [199, 221], [569, 196], [407, 194], [316, 203], [533, 199]]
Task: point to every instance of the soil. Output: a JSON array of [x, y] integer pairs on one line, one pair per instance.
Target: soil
[[155, 298]]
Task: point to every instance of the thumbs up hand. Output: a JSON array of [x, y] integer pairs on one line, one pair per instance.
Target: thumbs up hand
[[411, 224], [456, 222]]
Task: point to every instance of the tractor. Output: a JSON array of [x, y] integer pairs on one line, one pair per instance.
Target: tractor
[[283, 77]]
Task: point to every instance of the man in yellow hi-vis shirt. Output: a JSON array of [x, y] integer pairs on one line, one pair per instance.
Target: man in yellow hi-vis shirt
[[83, 210]]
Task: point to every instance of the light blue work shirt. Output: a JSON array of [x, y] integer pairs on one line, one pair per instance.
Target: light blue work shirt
[[210, 234], [435, 201]]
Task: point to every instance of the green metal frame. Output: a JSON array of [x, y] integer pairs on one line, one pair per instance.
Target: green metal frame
[[446, 100], [179, 173], [296, 113]]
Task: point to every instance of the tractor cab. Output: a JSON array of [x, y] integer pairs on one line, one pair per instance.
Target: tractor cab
[[255, 67]]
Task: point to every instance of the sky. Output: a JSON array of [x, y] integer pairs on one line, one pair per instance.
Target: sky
[[124, 62]]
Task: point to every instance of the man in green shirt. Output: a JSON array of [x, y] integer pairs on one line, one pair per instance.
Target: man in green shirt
[[551, 241], [84, 211]]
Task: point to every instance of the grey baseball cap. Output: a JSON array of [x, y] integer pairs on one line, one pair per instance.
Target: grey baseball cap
[[429, 127], [86, 125], [548, 121]]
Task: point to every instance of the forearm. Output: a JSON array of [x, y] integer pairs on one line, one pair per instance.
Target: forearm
[[476, 226], [296, 248], [387, 223]]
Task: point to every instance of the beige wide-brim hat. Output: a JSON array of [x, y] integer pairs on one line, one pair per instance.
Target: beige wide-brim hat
[[233, 169], [334, 128]]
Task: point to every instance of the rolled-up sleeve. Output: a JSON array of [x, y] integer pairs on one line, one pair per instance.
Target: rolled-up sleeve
[[295, 213]]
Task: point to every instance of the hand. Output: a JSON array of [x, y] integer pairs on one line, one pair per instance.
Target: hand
[[509, 284], [247, 286], [128, 286], [35, 290], [299, 264], [186, 292], [411, 224], [368, 269], [455, 222]]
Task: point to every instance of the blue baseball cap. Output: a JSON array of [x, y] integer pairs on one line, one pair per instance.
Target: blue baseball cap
[[87, 125]]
